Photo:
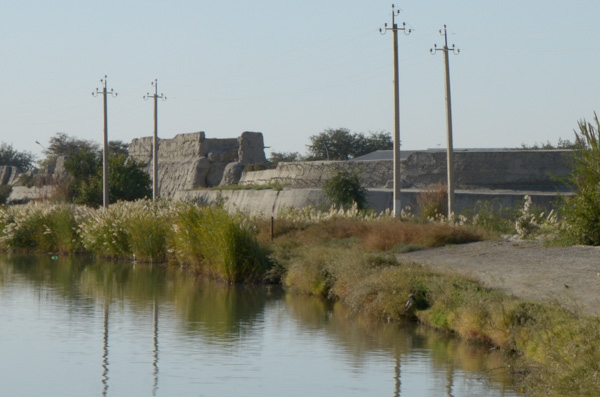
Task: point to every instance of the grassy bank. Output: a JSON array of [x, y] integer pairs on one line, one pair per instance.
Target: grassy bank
[[346, 256], [208, 240], [352, 261]]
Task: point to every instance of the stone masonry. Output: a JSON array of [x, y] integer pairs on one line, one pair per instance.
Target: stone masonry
[[536, 170], [190, 161]]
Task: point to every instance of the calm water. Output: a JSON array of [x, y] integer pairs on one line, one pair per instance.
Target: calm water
[[73, 327]]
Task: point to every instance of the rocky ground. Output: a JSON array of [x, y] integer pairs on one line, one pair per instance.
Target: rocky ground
[[569, 276]]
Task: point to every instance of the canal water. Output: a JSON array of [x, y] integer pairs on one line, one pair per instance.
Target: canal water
[[77, 327]]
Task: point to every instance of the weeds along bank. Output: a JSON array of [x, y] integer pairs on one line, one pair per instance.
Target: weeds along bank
[[347, 256], [207, 239]]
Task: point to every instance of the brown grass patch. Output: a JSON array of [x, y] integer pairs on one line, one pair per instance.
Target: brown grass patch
[[374, 235]]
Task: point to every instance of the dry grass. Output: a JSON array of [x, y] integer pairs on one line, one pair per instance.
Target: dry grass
[[433, 202], [383, 234]]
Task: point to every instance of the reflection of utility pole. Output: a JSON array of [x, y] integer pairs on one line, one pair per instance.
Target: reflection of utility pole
[[397, 379], [449, 380], [105, 350], [155, 138], [155, 352], [450, 149], [105, 94], [395, 29]]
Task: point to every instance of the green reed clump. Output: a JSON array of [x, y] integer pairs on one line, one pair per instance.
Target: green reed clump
[[104, 232], [221, 245], [149, 229], [41, 227]]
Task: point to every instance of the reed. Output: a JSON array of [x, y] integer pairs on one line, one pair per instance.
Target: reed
[[221, 245], [41, 227]]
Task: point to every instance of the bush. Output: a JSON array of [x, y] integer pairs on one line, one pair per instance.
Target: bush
[[433, 202], [582, 211], [344, 190]]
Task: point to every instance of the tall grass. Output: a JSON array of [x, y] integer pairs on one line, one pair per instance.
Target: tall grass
[[40, 227], [220, 245], [224, 244]]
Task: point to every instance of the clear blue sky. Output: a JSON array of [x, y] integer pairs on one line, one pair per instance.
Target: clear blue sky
[[526, 73]]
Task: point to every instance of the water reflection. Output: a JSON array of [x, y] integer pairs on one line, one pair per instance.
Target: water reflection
[[105, 352], [214, 336], [155, 350]]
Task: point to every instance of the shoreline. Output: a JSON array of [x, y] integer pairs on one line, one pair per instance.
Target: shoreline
[[528, 270]]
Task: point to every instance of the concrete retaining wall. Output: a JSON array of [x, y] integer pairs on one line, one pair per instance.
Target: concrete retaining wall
[[511, 169], [270, 202]]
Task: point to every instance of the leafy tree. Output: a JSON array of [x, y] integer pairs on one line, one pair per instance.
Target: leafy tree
[[10, 156], [282, 157], [341, 144], [118, 147], [126, 178], [344, 190], [582, 210], [562, 144], [62, 144]]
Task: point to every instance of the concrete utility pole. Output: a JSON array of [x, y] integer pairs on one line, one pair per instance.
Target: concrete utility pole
[[450, 149], [395, 29], [105, 94], [155, 192]]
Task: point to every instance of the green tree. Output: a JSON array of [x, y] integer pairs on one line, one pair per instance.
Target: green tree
[[344, 190], [10, 156], [62, 144], [582, 210], [126, 178], [282, 157], [341, 144]]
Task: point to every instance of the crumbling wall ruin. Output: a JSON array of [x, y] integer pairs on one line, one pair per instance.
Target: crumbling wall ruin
[[190, 161]]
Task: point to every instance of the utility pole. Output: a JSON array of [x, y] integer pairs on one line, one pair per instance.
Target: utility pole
[[450, 149], [155, 96], [105, 94], [397, 206]]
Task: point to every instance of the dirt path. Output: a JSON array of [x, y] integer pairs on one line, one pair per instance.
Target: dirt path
[[567, 275]]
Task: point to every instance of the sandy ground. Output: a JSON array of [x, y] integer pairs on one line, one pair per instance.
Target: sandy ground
[[569, 276]]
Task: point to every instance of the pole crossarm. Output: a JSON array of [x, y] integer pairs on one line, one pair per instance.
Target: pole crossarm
[[395, 27], [156, 97], [435, 49], [105, 93]]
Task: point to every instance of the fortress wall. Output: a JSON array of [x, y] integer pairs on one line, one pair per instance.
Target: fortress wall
[[189, 161], [511, 169], [267, 203]]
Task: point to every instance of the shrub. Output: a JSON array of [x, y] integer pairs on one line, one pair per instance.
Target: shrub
[[433, 202], [582, 210], [344, 190]]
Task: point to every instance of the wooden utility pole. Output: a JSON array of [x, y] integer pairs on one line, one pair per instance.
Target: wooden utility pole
[[397, 204], [450, 149], [105, 94], [155, 192]]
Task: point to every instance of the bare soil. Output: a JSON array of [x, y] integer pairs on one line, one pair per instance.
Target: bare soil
[[568, 276]]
